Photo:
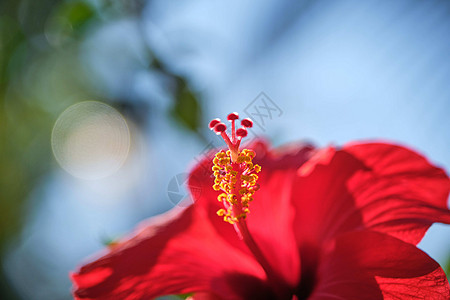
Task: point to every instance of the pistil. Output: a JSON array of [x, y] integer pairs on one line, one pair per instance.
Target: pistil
[[234, 171], [235, 175]]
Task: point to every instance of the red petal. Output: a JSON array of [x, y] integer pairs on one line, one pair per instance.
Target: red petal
[[372, 265], [271, 213], [324, 207], [403, 194], [173, 255], [383, 187]]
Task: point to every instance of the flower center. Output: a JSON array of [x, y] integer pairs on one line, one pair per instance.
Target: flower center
[[234, 171]]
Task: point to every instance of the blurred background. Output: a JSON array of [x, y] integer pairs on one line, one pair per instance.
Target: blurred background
[[104, 106]]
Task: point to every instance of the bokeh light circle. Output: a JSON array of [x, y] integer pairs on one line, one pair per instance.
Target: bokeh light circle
[[90, 140]]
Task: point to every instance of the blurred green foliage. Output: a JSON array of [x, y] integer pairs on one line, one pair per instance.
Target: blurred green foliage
[[187, 109], [447, 268], [33, 90], [34, 87], [41, 75]]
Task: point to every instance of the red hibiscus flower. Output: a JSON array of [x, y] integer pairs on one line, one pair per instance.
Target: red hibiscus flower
[[290, 223]]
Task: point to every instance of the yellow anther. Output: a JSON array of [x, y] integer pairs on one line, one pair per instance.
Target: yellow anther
[[229, 220], [221, 212], [232, 198], [240, 159], [228, 173], [222, 197], [245, 177], [221, 154], [243, 191], [224, 161]]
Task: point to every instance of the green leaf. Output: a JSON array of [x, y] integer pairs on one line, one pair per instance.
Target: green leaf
[[187, 109], [184, 296], [78, 13]]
